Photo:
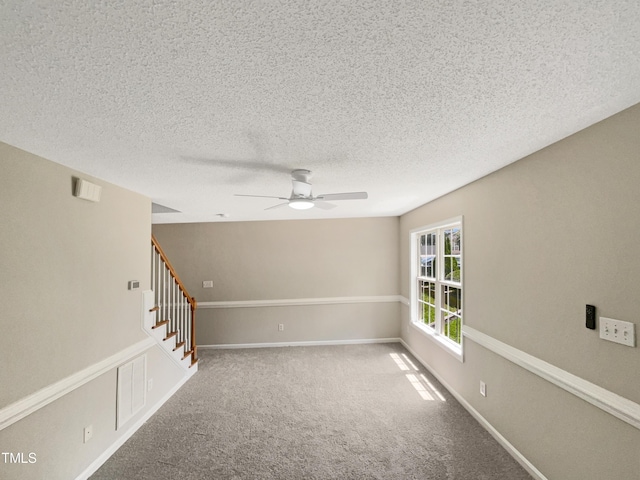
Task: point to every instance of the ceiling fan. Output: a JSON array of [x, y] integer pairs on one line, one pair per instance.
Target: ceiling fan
[[301, 197]]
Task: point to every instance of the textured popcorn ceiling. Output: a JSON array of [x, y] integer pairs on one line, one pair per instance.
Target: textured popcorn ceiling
[[189, 102]]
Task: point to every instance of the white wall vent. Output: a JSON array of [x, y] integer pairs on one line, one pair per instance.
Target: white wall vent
[[132, 378], [87, 190]]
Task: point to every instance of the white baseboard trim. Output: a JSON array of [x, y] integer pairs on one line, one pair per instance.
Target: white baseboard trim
[[29, 404], [300, 344], [286, 302], [618, 406], [513, 451], [98, 462]]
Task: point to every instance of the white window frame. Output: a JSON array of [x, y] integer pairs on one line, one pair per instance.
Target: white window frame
[[434, 334]]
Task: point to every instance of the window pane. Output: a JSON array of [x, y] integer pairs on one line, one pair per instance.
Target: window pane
[[421, 249], [431, 244], [451, 312], [428, 255], [451, 255], [429, 262], [452, 269], [427, 303], [452, 237]]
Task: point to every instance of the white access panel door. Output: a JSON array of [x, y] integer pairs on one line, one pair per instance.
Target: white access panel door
[[132, 378]]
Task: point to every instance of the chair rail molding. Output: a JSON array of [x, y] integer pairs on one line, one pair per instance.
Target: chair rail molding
[[285, 302], [26, 406], [612, 403]]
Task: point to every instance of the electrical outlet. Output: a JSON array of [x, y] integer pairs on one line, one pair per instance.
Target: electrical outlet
[[618, 331], [88, 433], [281, 327], [483, 388]]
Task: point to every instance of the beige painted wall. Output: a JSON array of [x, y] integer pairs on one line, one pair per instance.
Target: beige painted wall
[[55, 432], [65, 265], [542, 238], [309, 323], [288, 260]]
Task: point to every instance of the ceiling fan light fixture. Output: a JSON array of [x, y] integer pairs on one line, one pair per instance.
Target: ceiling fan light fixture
[[300, 203], [301, 197]]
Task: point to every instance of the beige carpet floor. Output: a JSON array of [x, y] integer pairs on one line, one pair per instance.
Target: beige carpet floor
[[328, 412]]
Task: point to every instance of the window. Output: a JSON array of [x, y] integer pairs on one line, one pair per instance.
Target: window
[[436, 277]]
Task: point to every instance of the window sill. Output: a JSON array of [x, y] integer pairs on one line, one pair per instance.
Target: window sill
[[446, 345]]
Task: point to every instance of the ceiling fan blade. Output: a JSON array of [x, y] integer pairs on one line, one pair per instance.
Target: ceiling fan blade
[[344, 196], [301, 189], [278, 205], [324, 205], [259, 196]]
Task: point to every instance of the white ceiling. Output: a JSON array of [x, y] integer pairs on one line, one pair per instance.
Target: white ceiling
[[189, 102]]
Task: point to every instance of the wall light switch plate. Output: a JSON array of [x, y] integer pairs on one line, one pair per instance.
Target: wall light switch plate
[[618, 331], [207, 284]]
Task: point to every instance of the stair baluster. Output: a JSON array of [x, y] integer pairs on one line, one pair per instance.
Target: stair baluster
[[175, 305]]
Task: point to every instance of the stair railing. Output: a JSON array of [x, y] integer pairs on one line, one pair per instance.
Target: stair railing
[[173, 302]]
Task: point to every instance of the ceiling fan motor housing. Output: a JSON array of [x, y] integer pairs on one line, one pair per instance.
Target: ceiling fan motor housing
[[301, 175]]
